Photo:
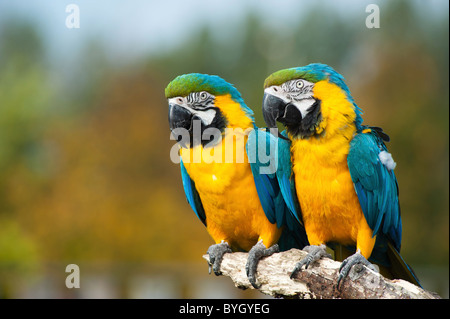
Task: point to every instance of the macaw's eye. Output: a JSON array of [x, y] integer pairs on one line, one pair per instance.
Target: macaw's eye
[[203, 96], [299, 84]]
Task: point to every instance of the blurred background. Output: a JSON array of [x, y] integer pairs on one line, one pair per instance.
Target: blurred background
[[85, 172]]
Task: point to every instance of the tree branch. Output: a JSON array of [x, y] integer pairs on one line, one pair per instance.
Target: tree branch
[[318, 281]]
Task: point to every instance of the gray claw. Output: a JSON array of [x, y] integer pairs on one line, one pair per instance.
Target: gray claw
[[254, 256], [314, 253], [216, 253], [349, 262]]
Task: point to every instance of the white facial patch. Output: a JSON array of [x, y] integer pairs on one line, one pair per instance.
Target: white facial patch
[[206, 116], [304, 105], [387, 160]]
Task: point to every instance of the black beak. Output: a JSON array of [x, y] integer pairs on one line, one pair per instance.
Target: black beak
[[179, 117], [273, 110]]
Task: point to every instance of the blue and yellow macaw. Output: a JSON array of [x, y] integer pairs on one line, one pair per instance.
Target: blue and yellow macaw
[[335, 174], [242, 209]]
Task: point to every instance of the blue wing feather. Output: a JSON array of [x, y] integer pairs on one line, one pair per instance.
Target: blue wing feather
[[286, 178], [377, 190], [266, 184], [192, 195], [269, 188], [376, 186]]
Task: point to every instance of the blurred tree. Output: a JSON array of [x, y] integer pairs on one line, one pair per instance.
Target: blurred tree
[[24, 100], [19, 257]]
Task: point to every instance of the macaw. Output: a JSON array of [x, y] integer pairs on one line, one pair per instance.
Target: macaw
[[242, 209], [336, 174]]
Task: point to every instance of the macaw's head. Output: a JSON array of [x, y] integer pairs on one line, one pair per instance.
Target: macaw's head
[[310, 101], [198, 102]]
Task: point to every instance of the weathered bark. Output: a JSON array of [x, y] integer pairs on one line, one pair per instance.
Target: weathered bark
[[318, 281]]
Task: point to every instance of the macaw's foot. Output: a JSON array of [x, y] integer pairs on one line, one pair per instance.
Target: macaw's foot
[[314, 253], [349, 262], [216, 253], [254, 256]]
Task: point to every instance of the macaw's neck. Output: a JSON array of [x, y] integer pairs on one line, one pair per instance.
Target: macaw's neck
[[237, 114], [214, 168], [337, 128], [231, 147]]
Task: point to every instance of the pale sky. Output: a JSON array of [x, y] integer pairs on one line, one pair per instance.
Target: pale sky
[[133, 28]]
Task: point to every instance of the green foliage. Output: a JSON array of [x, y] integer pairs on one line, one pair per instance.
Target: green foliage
[[18, 253], [19, 257]]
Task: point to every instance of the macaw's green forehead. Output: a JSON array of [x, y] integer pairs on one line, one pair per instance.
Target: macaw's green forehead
[[314, 72], [185, 84]]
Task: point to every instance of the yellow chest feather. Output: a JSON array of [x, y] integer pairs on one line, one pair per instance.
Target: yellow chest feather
[[228, 194], [330, 206]]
